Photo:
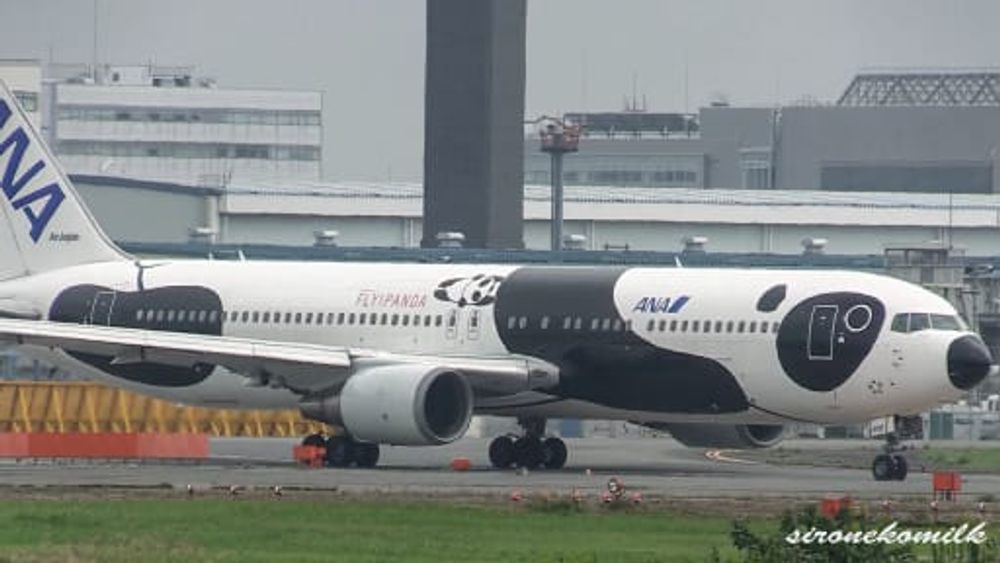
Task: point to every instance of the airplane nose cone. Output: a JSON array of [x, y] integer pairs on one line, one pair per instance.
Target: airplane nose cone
[[969, 362]]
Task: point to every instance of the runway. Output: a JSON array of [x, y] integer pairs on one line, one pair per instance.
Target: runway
[[657, 467]]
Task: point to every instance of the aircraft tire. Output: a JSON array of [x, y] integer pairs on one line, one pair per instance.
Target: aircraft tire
[[502, 452], [366, 454], [528, 452], [555, 453], [899, 468], [883, 468], [339, 451]]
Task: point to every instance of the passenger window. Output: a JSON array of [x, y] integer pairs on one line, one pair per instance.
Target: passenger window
[[775, 327], [511, 322], [594, 323], [350, 319], [288, 318], [900, 322], [329, 318], [437, 320], [673, 326], [577, 323], [651, 325], [545, 323], [741, 327], [427, 320], [256, 316], [309, 318], [319, 318], [138, 315], [522, 323], [406, 320], [567, 323], [718, 326], [694, 326], [663, 325], [606, 325], [362, 318], [752, 327], [684, 326], [267, 317], [340, 318], [298, 318], [729, 326], [919, 321], [213, 317], [159, 315], [171, 315], [182, 314], [246, 316], [385, 318]]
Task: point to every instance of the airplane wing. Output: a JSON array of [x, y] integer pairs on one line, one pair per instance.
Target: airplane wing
[[303, 368]]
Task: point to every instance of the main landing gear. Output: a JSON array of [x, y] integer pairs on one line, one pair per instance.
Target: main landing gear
[[344, 451], [531, 451]]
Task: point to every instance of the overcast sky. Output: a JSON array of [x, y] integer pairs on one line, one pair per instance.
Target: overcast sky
[[367, 56]]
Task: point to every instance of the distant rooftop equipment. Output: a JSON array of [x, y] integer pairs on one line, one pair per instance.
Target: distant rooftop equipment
[[201, 235], [695, 244], [575, 242], [909, 89], [634, 124], [813, 246], [326, 238], [450, 239]]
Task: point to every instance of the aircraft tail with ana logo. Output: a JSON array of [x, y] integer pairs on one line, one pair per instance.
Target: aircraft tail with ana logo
[[45, 225]]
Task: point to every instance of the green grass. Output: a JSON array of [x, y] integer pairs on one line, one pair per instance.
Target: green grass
[[298, 530], [985, 460]]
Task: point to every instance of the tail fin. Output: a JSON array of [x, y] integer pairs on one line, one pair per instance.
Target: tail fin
[[45, 225]]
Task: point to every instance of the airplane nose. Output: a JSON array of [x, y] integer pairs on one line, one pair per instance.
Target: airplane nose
[[969, 362]]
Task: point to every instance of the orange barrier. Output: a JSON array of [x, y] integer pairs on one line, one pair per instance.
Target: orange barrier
[[104, 445], [947, 484], [831, 506], [91, 408]]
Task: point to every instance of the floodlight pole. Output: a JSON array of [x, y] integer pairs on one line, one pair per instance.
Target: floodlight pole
[[557, 140]]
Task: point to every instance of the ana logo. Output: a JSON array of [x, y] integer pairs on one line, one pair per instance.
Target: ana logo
[[669, 305], [38, 205]]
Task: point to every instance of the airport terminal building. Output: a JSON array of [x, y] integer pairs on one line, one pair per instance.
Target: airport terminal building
[[897, 132]]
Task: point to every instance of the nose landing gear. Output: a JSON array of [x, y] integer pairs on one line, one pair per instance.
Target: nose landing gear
[[531, 450], [891, 466]]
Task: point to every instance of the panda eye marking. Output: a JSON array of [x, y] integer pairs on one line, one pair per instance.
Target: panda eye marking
[[478, 290]]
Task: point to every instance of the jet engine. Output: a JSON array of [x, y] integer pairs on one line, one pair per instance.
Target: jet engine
[[736, 436], [403, 404]]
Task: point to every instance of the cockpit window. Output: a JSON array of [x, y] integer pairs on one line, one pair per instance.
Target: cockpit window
[[913, 322], [945, 322], [919, 321]]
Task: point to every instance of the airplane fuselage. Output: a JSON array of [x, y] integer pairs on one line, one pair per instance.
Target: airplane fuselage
[[645, 344]]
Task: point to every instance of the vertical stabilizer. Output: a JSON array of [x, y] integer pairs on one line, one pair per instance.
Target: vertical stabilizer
[[46, 226]]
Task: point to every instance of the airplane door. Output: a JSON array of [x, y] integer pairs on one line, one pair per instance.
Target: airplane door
[[100, 311], [451, 325], [822, 322], [474, 324]]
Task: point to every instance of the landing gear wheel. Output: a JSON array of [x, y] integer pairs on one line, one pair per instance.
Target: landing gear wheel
[[528, 452], [883, 468], [502, 452], [900, 468], [339, 451], [554, 453], [366, 454], [315, 440]]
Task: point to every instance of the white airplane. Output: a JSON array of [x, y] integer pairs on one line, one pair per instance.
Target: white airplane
[[408, 353]]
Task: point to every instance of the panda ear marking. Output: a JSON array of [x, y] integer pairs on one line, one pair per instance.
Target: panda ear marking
[[477, 276], [441, 294], [489, 299], [449, 282]]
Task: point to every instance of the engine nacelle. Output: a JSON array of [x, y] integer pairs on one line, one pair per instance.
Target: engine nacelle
[[411, 405], [735, 436]]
